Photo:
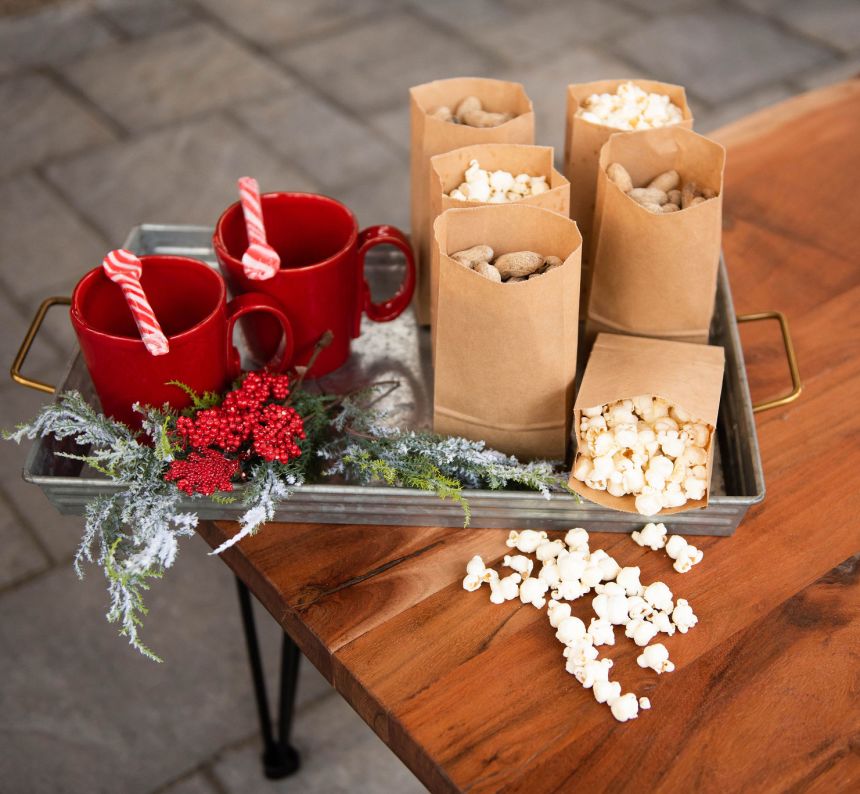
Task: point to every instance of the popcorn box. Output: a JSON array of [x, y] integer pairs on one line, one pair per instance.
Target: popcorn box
[[582, 142], [656, 274], [446, 173], [431, 136], [506, 353], [687, 376]]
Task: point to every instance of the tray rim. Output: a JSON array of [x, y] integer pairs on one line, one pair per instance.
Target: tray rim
[[395, 496]]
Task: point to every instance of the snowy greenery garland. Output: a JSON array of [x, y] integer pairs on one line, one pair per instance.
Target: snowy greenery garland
[[133, 534]]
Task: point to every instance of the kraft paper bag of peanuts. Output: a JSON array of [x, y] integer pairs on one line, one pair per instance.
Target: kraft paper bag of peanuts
[[686, 376], [655, 274], [506, 352], [431, 135], [582, 143], [447, 170]]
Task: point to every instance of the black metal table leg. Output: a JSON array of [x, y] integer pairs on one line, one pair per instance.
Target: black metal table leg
[[280, 758]]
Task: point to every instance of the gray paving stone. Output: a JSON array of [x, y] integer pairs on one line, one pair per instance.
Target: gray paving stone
[[718, 54], [321, 140], [81, 711], [59, 535], [371, 67], [51, 36], [393, 125], [339, 752], [39, 120], [534, 37], [546, 83], [385, 200], [145, 17], [273, 22], [186, 174], [174, 75], [656, 7], [708, 120], [471, 15], [845, 70], [46, 247], [835, 22], [195, 784], [21, 555]]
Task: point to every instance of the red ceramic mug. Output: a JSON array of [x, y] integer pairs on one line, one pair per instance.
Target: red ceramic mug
[[190, 301], [321, 282]]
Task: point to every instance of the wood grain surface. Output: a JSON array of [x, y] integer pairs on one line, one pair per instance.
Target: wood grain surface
[[474, 697]]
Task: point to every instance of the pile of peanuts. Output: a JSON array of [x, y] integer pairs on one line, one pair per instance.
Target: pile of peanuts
[[471, 112], [506, 268], [662, 194]]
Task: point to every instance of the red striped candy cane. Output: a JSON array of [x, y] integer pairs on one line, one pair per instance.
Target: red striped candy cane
[[123, 268], [260, 261]]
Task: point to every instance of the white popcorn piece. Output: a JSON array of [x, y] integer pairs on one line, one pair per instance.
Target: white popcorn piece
[[477, 573], [606, 691], [659, 596], [549, 573], [628, 579], [556, 612], [591, 672], [641, 632], [571, 566], [532, 591], [638, 608], [663, 622], [651, 535], [625, 707], [683, 616], [579, 652], [648, 504], [519, 563], [657, 658], [570, 629], [550, 549], [577, 539], [526, 541], [611, 608], [601, 632], [684, 554], [570, 590], [644, 703], [506, 589]]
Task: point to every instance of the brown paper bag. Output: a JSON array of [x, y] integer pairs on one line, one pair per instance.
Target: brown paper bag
[[656, 275], [582, 142], [506, 353], [433, 136], [686, 375], [446, 173]]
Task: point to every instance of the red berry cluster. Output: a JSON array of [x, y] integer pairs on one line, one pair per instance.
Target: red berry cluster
[[203, 472], [250, 421]]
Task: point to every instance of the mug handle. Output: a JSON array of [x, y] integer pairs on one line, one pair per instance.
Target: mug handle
[[257, 302], [394, 306]]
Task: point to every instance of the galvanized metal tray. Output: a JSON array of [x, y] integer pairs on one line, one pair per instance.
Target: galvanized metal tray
[[401, 350]]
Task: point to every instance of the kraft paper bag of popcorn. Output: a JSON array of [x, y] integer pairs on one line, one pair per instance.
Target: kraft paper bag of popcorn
[[656, 274], [686, 375], [431, 136], [582, 143], [446, 173], [506, 353]]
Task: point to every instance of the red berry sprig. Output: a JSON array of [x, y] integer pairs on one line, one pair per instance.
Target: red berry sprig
[[203, 472]]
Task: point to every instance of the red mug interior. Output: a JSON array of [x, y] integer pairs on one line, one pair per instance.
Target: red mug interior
[[291, 221], [182, 297]]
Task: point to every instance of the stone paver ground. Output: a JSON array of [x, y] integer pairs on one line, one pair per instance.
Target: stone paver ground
[[117, 112]]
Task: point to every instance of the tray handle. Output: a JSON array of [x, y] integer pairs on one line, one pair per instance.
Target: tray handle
[[15, 371], [796, 384]]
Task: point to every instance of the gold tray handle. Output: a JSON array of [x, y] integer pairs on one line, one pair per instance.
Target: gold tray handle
[[796, 384], [15, 371]]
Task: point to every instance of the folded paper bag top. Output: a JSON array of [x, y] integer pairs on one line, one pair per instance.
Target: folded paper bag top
[[687, 376], [656, 274], [506, 353], [430, 135], [447, 172], [582, 142]]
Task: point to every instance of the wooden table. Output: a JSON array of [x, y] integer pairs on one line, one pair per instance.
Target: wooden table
[[473, 696]]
